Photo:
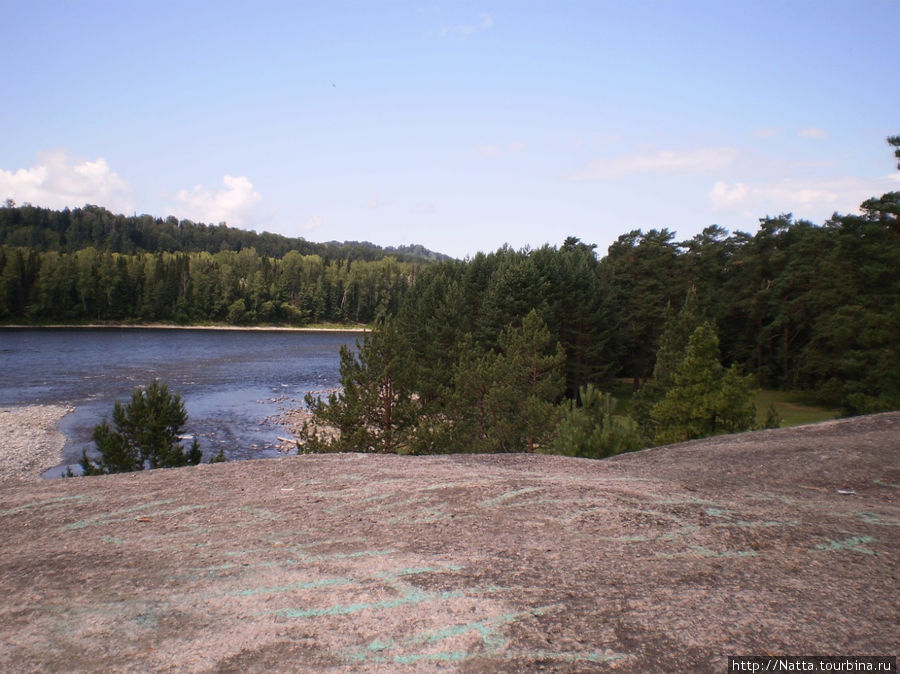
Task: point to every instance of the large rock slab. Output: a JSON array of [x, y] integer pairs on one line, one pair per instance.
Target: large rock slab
[[776, 542]]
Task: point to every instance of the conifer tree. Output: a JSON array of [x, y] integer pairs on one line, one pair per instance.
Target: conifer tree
[[591, 428], [677, 331], [375, 410], [894, 141], [146, 434], [506, 402], [705, 399], [676, 334]]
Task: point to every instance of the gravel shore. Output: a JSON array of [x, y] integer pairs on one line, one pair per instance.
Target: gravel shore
[[30, 441]]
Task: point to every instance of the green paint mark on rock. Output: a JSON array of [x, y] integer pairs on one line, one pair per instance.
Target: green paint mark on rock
[[329, 582], [854, 544], [114, 516], [379, 645], [259, 513], [452, 656], [487, 629], [57, 502], [305, 585], [873, 518], [304, 557], [492, 644], [636, 538], [703, 551], [412, 596], [497, 500], [422, 516], [415, 570]]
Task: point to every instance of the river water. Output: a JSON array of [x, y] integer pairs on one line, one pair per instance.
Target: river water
[[232, 381]]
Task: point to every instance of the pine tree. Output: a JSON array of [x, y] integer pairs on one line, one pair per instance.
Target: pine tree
[[894, 141], [591, 428], [506, 401], [147, 433], [676, 334], [706, 399], [375, 411], [677, 331]]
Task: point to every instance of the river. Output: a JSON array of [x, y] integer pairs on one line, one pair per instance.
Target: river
[[232, 381]]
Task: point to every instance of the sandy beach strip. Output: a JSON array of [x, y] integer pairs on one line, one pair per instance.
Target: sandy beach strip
[[30, 440]]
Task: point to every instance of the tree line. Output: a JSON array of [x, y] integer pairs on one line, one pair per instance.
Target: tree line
[[67, 231], [511, 351], [239, 288], [797, 305]]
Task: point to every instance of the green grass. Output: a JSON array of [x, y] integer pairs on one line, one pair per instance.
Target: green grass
[[623, 391], [791, 408]]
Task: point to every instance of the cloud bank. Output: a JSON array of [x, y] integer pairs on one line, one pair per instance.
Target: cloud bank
[[58, 180], [815, 199], [234, 204]]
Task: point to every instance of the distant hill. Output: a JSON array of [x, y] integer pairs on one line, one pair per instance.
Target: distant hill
[[44, 229]]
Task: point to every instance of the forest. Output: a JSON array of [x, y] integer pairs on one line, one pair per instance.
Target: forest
[[794, 306], [66, 231], [233, 287], [513, 350]]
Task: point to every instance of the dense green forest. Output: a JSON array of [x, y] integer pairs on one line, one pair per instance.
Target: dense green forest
[[239, 288], [67, 231], [796, 305], [512, 350], [88, 264]]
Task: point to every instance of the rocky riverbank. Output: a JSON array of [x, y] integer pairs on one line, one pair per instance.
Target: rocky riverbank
[[295, 418], [30, 440]]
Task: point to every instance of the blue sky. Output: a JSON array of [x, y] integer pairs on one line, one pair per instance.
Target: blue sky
[[458, 125]]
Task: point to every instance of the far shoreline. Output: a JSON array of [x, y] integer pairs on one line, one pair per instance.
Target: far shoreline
[[175, 326]]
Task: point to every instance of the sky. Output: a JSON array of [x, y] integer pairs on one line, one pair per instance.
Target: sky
[[460, 126]]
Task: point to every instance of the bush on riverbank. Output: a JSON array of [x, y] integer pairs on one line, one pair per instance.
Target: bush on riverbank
[[147, 434]]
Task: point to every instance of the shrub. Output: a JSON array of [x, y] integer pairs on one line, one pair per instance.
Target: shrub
[[146, 434], [592, 429]]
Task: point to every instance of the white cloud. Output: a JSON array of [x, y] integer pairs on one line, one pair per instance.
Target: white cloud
[[812, 133], [235, 204], [58, 180], [486, 22], [814, 199], [725, 197], [690, 162]]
